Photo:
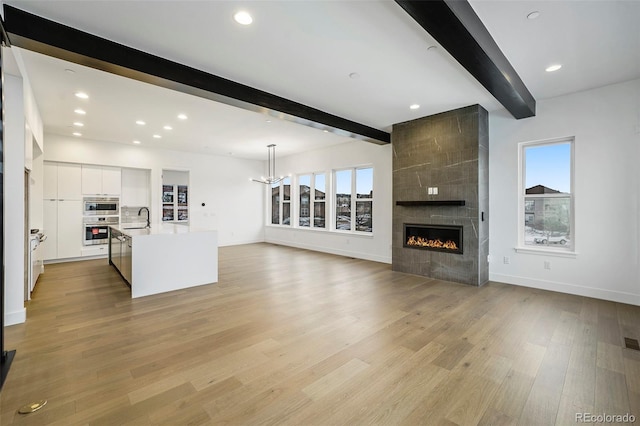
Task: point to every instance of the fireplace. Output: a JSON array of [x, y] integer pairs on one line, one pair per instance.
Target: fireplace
[[443, 238]]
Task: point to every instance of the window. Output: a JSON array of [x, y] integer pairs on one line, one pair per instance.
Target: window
[[319, 193], [354, 199], [304, 189], [343, 199], [281, 202], [547, 195]]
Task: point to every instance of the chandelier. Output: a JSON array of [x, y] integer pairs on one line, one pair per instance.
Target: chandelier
[[271, 179]]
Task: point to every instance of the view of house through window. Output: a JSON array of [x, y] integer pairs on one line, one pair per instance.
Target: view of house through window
[[547, 194], [281, 202], [320, 192], [354, 199], [353, 195]]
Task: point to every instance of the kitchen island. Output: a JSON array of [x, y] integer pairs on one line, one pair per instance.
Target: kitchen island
[[164, 257]]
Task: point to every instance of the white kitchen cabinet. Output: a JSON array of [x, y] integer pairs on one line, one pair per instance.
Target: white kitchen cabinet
[[50, 228], [63, 228], [135, 188], [62, 181], [95, 250], [101, 180], [69, 228], [62, 209], [69, 177], [50, 176]]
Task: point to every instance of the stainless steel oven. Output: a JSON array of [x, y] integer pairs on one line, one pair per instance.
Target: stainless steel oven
[[96, 229], [101, 206]]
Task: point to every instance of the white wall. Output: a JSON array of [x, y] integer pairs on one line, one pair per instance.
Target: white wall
[[376, 247], [233, 205], [14, 227], [606, 126]]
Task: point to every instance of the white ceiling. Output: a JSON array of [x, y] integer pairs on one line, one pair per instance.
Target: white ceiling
[[305, 51]]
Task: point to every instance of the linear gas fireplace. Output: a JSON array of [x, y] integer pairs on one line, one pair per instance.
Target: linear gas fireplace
[[444, 238]]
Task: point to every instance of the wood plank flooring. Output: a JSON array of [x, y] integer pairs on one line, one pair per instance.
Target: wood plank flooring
[[296, 337]]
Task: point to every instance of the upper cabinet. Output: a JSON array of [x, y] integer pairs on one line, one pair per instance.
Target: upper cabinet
[[101, 180], [135, 188], [62, 181]]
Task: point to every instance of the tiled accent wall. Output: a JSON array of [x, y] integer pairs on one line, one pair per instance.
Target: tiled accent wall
[[449, 151], [130, 215]]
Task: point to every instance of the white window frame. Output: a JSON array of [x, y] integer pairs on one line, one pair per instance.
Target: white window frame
[[312, 201], [564, 251], [354, 200], [280, 187]]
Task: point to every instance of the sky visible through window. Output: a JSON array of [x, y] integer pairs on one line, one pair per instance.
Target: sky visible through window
[[549, 165], [364, 181]]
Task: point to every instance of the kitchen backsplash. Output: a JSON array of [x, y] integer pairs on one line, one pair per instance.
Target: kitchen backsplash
[[130, 215]]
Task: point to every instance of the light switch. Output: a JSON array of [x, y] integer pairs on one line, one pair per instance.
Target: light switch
[[435, 191]]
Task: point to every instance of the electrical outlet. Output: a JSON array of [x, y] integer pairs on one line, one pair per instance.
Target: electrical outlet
[[506, 260], [547, 265], [489, 258]]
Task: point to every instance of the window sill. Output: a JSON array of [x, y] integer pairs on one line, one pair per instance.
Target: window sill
[[547, 252], [329, 231]]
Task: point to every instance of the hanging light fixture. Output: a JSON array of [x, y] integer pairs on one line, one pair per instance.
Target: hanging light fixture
[[271, 179]]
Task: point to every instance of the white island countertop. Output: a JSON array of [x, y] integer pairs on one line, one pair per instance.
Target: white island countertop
[[169, 257], [135, 229]]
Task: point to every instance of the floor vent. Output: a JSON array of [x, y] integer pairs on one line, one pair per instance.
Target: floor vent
[[631, 344]]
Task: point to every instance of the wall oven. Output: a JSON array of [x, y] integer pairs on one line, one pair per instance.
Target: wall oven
[[96, 229], [101, 206]]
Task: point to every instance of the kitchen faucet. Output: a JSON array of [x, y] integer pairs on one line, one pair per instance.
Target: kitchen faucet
[[148, 215]]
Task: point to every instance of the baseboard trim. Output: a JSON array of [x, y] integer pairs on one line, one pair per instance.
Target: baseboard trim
[[17, 317], [331, 250], [596, 293]]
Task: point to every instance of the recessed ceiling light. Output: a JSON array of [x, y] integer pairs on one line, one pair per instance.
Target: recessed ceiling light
[[553, 68], [157, 136], [414, 106], [78, 124], [432, 48], [70, 71], [80, 111], [136, 142], [243, 18], [140, 123], [77, 134], [182, 116], [354, 75], [268, 121], [82, 95], [533, 15], [168, 128]]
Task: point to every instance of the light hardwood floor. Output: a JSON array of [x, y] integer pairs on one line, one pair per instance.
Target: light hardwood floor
[[296, 337]]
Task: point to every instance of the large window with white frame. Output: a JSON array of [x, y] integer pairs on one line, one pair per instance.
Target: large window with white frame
[[311, 200], [546, 195], [354, 199]]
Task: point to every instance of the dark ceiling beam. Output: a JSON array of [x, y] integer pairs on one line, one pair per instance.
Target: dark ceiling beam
[[456, 27], [41, 35]]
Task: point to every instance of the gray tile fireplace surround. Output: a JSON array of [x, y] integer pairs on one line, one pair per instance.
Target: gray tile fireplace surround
[[448, 151]]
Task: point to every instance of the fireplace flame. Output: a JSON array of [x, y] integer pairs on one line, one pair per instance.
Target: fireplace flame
[[437, 243]]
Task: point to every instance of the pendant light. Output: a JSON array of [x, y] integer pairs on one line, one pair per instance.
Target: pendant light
[[271, 179]]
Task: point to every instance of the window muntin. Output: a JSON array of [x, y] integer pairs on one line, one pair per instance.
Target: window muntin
[[547, 196]]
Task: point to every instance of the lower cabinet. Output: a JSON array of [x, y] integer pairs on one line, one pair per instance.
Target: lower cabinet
[[63, 227]]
